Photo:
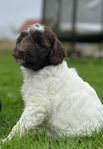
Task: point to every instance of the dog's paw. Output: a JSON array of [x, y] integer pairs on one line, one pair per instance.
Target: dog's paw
[[3, 141]]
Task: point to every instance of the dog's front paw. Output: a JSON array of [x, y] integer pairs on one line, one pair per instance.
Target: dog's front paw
[[3, 141]]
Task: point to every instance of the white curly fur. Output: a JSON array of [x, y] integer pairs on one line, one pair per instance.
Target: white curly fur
[[58, 98]]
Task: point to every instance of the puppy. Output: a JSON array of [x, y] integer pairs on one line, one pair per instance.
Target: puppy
[[54, 95]]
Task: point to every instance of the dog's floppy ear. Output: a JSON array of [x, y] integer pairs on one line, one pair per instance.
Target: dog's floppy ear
[[57, 52]]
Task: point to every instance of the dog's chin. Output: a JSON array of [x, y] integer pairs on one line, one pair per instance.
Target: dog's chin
[[20, 62]]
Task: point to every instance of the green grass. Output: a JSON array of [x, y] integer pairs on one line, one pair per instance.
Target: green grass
[[90, 69]]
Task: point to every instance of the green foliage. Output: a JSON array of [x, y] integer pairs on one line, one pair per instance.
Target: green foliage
[[90, 69]]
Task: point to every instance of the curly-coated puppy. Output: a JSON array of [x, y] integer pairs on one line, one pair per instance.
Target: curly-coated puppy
[[54, 95]]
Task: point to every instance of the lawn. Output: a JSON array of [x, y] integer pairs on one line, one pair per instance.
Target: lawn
[[90, 69]]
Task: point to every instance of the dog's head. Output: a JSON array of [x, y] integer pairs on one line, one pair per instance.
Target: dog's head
[[38, 47]]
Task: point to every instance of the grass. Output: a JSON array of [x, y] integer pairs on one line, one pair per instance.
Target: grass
[[90, 69]]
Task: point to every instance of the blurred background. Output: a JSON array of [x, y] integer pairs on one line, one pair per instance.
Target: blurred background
[[16, 15], [77, 23]]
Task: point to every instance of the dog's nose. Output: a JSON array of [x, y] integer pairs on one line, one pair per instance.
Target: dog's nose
[[18, 53], [15, 53]]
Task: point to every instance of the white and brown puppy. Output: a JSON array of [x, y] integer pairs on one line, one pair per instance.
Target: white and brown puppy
[[54, 95]]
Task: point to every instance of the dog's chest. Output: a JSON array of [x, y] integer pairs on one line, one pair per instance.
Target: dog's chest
[[35, 87]]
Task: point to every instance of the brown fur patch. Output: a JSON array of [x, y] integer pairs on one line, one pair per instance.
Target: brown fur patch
[[39, 49]]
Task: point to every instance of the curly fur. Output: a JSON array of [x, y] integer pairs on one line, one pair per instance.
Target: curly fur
[[54, 95]]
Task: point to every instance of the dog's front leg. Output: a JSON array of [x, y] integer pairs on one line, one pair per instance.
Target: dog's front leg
[[31, 117]]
